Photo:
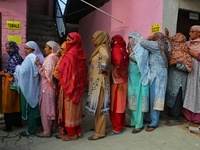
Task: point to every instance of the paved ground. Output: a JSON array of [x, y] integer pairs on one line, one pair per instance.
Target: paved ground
[[163, 138]]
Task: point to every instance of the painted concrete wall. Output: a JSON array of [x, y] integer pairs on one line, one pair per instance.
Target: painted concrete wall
[[135, 15], [13, 10], [170, 11]]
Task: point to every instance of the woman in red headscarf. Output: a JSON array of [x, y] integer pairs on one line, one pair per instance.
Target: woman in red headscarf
[[72, 76], [119, 83]]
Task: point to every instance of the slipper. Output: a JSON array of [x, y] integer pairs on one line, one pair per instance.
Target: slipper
[[173, 122], [80, 136], [137, 130], [111, 133], [150, 128], [91, 138]]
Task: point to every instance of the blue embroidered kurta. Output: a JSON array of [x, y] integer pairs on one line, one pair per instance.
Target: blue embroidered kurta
[[158, 72]]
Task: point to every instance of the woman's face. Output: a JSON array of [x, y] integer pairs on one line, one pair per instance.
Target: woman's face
[[48, 50], [8, 47], [69, 39], [63, 49], [194, 34], [27, 50]]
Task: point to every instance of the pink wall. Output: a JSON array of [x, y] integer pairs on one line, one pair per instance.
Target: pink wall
[[135, 15], [14, 11]]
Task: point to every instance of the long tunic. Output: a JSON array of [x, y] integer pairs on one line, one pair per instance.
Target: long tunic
[[10, 98], [192, 96], [47, 86], [138, 94], [177, 77], [158, 73], [98, 80]]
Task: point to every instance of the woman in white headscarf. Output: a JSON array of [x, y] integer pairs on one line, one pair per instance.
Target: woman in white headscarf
[[48, 88], [27, 80]]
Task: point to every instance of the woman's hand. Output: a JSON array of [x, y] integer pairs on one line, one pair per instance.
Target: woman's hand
[[37, 62], [2, 73]]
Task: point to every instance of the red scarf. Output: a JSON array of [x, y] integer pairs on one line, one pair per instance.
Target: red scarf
[[72, 69]]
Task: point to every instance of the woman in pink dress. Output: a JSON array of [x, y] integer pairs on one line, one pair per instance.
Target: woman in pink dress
[[48, 88]]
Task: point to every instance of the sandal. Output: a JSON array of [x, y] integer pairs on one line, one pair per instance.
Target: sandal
[[42, 135], [194, 124], [173, 122], [112, 132], [95, 137], [25, 134], [150, 128], [67, 138], [137, 130]]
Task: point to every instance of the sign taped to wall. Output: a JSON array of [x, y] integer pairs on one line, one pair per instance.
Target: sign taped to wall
[[17, 39], [155, 28], [14, 25]]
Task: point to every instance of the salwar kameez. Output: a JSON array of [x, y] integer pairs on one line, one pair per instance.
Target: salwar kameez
[[158, 62], [10, 105], [138, 83], [98, 100], [118, 106]]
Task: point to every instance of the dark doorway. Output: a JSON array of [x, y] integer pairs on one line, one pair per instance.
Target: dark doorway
[[0, 63], [186, 19]]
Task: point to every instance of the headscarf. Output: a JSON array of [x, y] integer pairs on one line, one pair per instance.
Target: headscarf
[[161, 39], [194, 45], [179, 51], [33, 45], [55, 46], [119, 56], [141, 56], [100, 38], [14, 60], [72, 69]]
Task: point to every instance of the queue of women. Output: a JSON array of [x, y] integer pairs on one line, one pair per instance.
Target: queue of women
[[144, 76]]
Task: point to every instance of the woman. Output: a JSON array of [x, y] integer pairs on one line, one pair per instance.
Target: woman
[[180, 64], [72, 76], [138, 83], [191, 102], [27, 79], [10, 96], [119, 83], [158, 61], [48, 88], [99, 83]]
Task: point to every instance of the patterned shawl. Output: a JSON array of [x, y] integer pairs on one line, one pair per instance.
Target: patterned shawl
[[120, 59], [72, 69], [14, 60], [141, 56], [179, 52], [194, 45]]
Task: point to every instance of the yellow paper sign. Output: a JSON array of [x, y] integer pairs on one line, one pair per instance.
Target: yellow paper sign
[[155, 28], [17, 39], [14, 25]]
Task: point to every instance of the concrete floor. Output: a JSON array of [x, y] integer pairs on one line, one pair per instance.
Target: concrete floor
[[162, 138]]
